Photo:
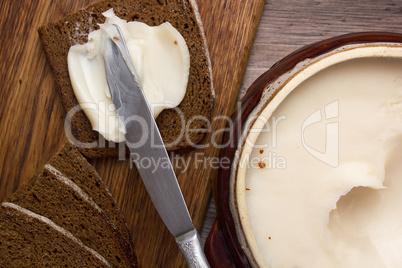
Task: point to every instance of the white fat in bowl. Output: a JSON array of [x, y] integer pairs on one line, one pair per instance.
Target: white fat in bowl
[[294, 94]]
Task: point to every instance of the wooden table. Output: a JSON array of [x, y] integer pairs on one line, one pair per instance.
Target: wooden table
[[285, 26], [32, 117]]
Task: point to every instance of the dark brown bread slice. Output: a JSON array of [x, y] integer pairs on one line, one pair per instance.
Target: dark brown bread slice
[[54, 197], [73, 165], [27, 241], [196, 106]]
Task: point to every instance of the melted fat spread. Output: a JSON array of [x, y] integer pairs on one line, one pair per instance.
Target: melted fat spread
[[161, 60], [309, 208]]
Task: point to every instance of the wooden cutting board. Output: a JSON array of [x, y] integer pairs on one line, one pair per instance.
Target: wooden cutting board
[[32, 116]]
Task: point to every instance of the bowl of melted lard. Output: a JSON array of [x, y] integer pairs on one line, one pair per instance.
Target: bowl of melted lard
[[316, 173]]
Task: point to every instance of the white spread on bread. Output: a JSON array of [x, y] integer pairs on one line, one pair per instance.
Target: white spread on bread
[[311, 212], [161, 60]]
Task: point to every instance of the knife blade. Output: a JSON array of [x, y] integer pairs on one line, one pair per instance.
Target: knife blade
[[146, 147]]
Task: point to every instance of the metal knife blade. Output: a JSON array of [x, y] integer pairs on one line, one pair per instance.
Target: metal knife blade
[[147, 148]]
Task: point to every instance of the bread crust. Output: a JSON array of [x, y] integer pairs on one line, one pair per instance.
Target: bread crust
[[180, 128], [69, 192]]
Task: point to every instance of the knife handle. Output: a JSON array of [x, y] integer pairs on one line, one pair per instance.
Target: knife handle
[[190, 246]]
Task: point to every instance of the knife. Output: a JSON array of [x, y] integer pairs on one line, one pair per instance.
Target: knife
[[145, 142]]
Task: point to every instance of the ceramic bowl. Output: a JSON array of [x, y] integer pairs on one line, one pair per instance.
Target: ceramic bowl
[[231, 242]]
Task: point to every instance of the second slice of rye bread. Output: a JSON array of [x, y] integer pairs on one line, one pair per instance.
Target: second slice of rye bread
[[196, 107], [50, 197]]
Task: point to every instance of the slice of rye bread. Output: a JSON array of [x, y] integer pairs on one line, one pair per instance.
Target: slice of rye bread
[[31, 240], [57, 198], [73, 165], [196, 107]]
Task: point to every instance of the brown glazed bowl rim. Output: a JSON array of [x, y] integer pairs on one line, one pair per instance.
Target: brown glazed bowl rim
[[258, 95]]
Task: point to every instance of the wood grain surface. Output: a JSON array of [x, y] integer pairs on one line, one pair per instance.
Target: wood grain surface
[[32, 116], [287, 25]]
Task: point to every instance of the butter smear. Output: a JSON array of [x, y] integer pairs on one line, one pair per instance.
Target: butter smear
[[161, 60]]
